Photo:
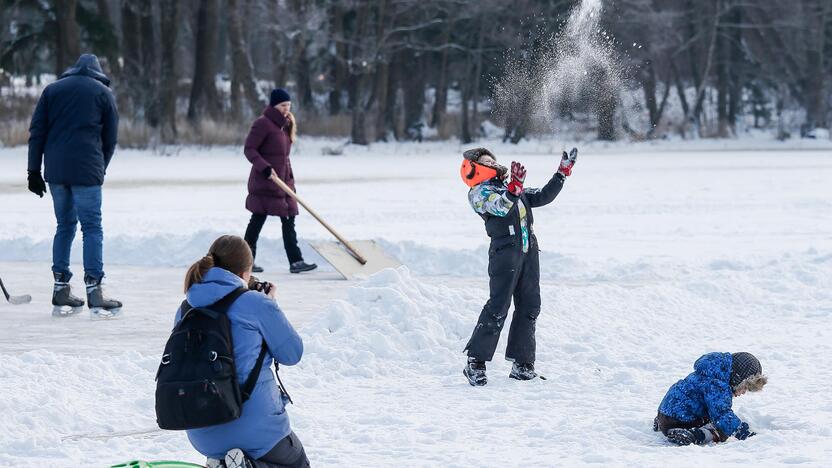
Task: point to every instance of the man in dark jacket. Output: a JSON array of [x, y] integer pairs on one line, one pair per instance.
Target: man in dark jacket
[[73, 133], [513, 262]]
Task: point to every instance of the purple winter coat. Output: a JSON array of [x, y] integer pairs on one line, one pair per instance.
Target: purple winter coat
[[267, 147]]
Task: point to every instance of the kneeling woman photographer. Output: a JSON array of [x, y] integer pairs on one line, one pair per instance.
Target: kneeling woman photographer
[[261, 436]]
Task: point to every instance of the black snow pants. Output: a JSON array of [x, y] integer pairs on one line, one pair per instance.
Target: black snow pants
[[512, 275]]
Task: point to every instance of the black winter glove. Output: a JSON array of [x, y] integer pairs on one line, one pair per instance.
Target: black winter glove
[[743, 432], [36, 183]]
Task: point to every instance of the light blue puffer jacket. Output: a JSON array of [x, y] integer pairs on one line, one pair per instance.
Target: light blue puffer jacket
[[254, 317]]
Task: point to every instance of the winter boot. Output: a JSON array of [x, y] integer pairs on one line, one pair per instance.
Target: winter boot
[[523, 371], [475, 372], [256, 269], [64, 303], [100, 306], [687, 436], [236, 458], [301, 266]]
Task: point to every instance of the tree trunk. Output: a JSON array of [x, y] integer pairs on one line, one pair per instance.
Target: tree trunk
[[338, 70], [358, 77], [382, 88], [278, 60], [649, 86], [465, 123], [170, 10], [150, 63], [67, 38], [737, 74], [130, 99], [816, 99], [606, 119], [242, 69], [300, 60], [413, 87], [440, 104], [203, 87], [111, 64], [722, 83], [680, 88]]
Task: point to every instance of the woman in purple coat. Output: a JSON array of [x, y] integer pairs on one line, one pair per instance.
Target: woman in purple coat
[[267, 148]]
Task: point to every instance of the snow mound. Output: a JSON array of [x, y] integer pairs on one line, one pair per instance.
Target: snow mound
[[389, 322]]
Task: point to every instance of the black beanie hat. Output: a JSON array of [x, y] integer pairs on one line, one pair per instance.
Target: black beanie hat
[[278, 95], [743, 366]]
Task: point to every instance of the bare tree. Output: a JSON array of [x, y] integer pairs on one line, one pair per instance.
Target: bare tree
[[203, 87]]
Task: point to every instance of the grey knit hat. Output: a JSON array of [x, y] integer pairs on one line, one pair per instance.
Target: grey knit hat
[[743, 366]]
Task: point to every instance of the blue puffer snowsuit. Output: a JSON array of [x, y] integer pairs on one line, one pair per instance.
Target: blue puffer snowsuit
[[705, 392], [254, 317]]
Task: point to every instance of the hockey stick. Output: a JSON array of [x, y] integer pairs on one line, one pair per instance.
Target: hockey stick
[[16, 300]]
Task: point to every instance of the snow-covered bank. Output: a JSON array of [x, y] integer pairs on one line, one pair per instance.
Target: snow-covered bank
[[380, 383]]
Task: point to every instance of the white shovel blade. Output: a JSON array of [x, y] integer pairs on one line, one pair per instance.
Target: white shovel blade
[[339, 257]]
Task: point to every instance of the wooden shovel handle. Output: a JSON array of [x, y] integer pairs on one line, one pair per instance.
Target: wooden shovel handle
[[360, 258]]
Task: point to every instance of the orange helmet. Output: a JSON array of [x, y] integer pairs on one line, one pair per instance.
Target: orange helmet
[[474, 174]]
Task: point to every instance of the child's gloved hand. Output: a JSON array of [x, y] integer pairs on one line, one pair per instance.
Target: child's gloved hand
[[743, 432], [518, 176], [567, 161]]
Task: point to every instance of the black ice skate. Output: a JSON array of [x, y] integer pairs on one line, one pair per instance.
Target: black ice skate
[[524, 371], [301, 266], [475, 372], [686, 436], [64, 304], [100, 307]]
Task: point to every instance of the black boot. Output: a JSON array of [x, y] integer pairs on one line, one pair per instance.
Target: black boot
[[256, 268], [301, 266], [687, 436], [100, 306], [475, 372], [523, 371], [64, 303]]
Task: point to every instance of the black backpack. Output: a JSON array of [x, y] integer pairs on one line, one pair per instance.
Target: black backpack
[[196, 385]]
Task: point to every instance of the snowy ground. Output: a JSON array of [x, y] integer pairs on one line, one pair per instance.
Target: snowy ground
[[651, 257]]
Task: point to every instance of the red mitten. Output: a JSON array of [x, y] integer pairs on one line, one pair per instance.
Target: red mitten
[[518, 176], [567, 161]]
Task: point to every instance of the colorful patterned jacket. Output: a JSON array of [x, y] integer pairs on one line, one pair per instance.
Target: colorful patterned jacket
[[506, 215]]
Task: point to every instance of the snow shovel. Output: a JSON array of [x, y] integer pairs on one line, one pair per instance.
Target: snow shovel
[[350, 259]]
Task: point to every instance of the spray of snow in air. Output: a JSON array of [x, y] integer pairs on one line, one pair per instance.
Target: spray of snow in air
[[576, 68]]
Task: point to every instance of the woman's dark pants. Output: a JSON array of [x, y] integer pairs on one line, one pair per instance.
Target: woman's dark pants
[[290, 237]]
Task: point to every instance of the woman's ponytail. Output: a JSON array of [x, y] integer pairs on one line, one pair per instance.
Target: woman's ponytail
[[231, 253], [197, 271]]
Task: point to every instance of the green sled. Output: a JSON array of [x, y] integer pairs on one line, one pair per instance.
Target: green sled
[[157, 464]]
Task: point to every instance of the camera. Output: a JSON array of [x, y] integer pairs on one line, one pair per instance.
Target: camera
[[255, 284]]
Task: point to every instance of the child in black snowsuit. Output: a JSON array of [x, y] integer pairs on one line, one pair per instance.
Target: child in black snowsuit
[[513, 263], [697, 409]]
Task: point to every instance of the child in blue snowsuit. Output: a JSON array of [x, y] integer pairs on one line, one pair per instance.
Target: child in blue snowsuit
[[697, 409]]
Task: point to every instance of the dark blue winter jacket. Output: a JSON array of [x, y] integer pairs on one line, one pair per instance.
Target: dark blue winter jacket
[[705, 392], [75, 126]]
